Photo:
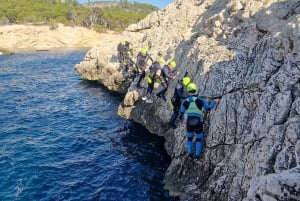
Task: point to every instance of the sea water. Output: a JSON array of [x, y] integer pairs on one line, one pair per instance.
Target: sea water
[[61, 138]]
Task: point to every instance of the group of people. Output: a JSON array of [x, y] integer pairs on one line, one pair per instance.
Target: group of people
[[184, 100]]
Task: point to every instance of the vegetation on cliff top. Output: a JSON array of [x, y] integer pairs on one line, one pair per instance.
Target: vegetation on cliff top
[[69, 12]]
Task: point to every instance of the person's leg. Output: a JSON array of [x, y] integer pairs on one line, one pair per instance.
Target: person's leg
[[199, 138], [161, 94], [133, 75], [176, 108], [119, 57], [189, 143], [189, 135], [147, 98], [149, 89], [141, 77], [173, 118]]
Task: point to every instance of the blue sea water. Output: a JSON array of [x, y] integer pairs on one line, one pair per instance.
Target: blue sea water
[[61, 139]]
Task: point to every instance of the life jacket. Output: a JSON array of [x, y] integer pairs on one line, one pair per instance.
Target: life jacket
[[127, 57], [192, 109]]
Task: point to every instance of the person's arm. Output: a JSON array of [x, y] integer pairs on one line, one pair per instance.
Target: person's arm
[[166, 73], [149, 57], [183, 107], [179, 91], [186, 73], [208, 106]]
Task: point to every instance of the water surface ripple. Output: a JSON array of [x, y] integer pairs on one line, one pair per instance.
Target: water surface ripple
[[62, 140]]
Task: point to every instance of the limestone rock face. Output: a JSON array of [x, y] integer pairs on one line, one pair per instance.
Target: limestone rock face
[[246, 53]]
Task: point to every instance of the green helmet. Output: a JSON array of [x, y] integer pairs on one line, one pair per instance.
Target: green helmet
[[172, 63], [185, 81], [191, 87]]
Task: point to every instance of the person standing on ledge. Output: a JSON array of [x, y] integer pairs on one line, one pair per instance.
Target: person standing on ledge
[[141, 64], [166, 74], [179, 95], [193, 106]]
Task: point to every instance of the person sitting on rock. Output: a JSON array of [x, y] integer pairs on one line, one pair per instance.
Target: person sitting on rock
[[165, 76], [141, 64], [179, 95], [194, 105], [152, 77]]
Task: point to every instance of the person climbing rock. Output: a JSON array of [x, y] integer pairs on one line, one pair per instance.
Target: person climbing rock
[[130, 70], [179, 95], [166, 74], [194, 106], [141, 63], [153, 74], [122, 47]]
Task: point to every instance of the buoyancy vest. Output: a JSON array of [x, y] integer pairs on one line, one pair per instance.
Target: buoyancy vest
[[128, 57], [193, 109], [155, 71]]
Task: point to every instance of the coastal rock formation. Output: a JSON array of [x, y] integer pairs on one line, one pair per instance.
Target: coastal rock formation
[[26, 37], [247, 53]]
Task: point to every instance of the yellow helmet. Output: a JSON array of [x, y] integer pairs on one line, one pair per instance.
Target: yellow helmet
[[144, 51], [172, 63], [185, 81], [123, 42], [161, 60], [191, 87]]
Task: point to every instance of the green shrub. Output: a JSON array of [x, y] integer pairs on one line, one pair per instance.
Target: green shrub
[[116, 17]]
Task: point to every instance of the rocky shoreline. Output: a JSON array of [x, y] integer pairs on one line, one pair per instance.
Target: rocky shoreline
[[20, 38]]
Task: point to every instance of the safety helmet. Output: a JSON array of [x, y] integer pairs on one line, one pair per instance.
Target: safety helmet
[[161, 60], [144, 51], [172, 63], [191, 88], [123, 42], [185, 81]]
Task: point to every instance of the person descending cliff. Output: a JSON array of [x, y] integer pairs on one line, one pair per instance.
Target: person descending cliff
[[152, 77], [141, 62], [122, 47], [130, 69], [176, 100], [194, 106], [166, 74]]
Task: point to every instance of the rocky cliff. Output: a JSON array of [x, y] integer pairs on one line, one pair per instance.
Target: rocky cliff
[[247, 53]]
